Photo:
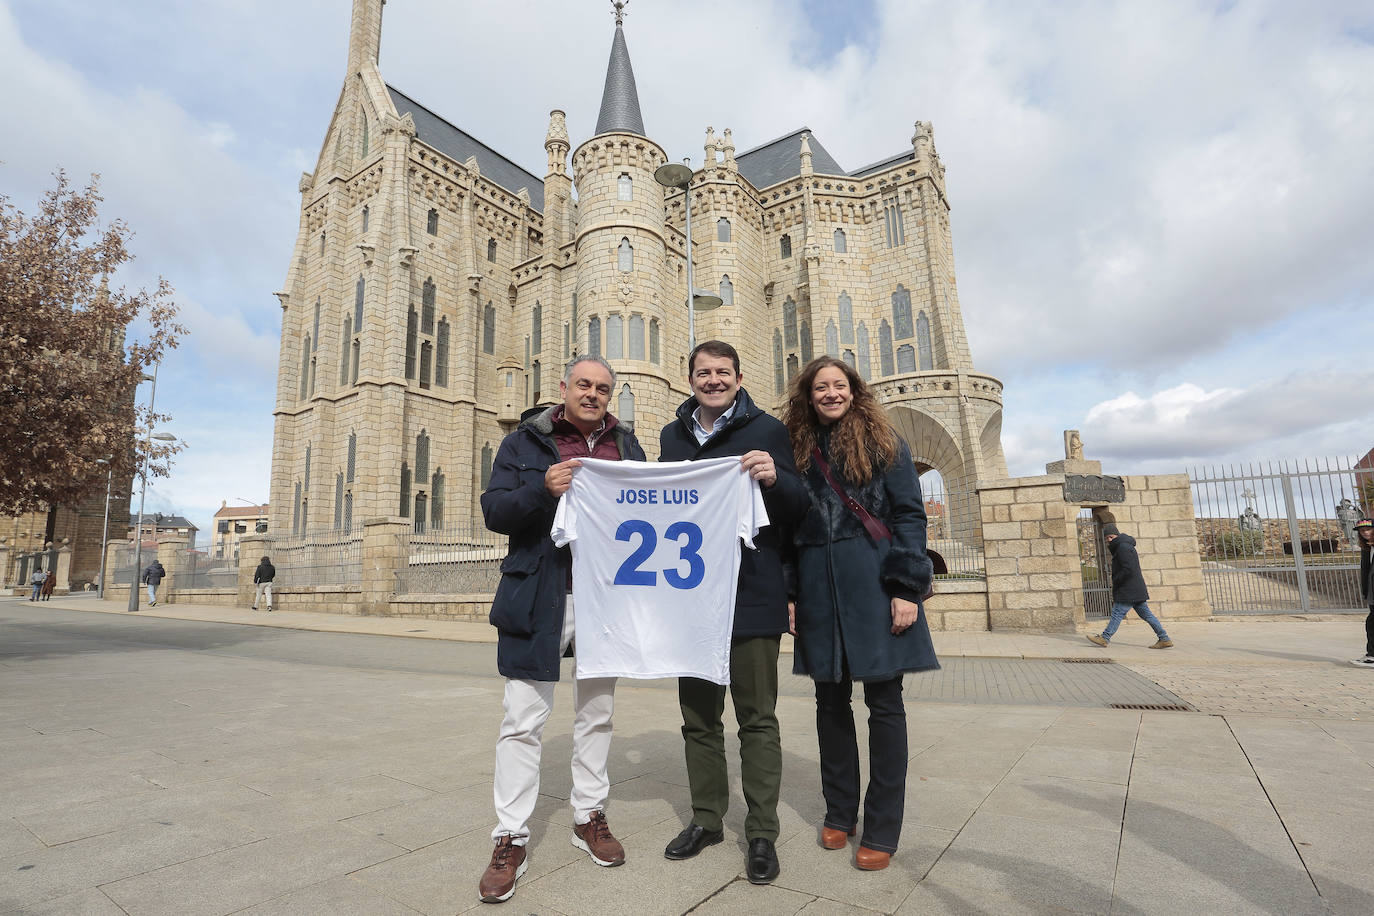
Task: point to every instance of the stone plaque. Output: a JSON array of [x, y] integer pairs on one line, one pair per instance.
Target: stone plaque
[[1093, 488]]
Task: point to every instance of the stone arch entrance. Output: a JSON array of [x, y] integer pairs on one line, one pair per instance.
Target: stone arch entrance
[[934, 448]]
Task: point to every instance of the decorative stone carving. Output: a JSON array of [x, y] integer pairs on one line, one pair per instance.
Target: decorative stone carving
[[306, 182], [1073, 445], [1347, 514]]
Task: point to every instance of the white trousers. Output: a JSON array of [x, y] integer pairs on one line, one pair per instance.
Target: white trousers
[[515, 787], [263, 588]]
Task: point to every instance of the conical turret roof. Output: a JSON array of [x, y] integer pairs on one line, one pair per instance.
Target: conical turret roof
[[620, 100]]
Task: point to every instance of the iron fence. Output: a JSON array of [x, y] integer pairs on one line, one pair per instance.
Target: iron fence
[[954, 528], [1279, 537], [196, 568], [322, 558], [1096, 565], [459, 559]]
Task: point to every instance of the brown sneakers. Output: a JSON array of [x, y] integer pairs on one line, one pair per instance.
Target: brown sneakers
[[1165, 643], [507, 865], [595, 837]]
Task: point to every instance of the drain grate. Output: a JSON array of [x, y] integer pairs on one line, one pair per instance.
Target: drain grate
[[1154, 707], [1087, 661]]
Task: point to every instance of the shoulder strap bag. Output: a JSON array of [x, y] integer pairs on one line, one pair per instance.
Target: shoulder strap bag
[[875, 528]]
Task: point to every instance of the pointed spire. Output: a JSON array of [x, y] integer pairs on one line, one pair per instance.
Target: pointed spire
[[619, 99], [364, 34], [806, 153]]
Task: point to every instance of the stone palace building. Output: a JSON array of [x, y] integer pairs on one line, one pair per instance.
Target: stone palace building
[[437, 289]]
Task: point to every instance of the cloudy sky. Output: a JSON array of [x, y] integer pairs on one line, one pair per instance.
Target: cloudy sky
[[1163, 211]]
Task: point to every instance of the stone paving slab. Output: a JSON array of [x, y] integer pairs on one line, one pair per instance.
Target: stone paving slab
[[345, 773]]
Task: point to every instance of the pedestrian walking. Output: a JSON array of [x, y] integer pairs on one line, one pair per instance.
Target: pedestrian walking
[[1364, 530], [49, 583], [36, 580], [262, 583], [1128, 589], [152, 577], [862, 573]]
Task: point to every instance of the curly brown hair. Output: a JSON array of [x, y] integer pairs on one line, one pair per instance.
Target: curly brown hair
[[862, 442]]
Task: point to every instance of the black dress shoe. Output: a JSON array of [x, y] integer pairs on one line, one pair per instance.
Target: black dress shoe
[[761, 866], [692, 840]]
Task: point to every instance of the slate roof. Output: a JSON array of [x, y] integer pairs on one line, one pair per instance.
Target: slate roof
[[619, 98], [780, 159], [459, 145]]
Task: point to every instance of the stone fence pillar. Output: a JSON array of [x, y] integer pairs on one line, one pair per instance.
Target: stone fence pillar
[[383, 553], [252, 548], [1158, 513], [64, 571], [1030, 547], [172, 555]]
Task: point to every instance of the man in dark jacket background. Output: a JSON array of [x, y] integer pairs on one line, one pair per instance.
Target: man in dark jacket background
[[262, 582], [152, 577], [721, 420], [1128, 589], [533, 616], [1364, 530]]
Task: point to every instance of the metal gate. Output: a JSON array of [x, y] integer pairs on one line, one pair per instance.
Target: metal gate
[[1279, 537], [1095, 562]]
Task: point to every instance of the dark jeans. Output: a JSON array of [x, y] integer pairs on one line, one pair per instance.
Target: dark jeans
[[1369, 632], [887, 759], [754, 690]]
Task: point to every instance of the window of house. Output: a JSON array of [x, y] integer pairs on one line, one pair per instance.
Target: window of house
[[614, 337], [315, 332], [307, 470], [785, 246], [594, 336], [923, 341], [807, 351], [352, 456], [359, 292], [348, 511], [653, 341], [727, 291], [792, 367], [894, 229], [885, 348], [405, 490], [322, 237], [722, 230], [625, 256], [344, 341], [537, 328], [625, 407], [626, 187], [636, 337], [832, 338], [846, 319], [489, 329], [486, 465], [491, 249], [567, 340], [427, 308], [305, 368], [441, 355], [849, 357], [779, 380], [422, 456], [366, 144], [357, 355], [841, 243], [537, 372], [338, 500], [436, 501], [365, 218], [421, 504], [412, 320], [906, 358], [426, 362], [432, 222], [901, 313], [864, 365], [789, 323]]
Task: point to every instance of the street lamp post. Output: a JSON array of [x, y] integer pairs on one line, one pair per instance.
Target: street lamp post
[[673, 175], [143, 492], [108, 461]]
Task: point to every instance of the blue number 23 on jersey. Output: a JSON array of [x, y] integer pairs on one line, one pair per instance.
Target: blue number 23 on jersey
[[630, 573]]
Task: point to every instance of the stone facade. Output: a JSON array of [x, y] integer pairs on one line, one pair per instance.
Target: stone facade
[[436, 290]]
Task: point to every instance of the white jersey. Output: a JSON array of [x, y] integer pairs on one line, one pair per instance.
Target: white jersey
[[655, 563]]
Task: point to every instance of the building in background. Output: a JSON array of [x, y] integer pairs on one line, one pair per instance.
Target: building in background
[[232, 523], [437, 289], [159, 527]]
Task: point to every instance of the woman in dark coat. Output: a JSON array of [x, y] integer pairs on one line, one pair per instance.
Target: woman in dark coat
[[857, 614]]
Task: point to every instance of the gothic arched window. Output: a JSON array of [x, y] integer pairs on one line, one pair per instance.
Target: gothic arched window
[[489, 329], [338, 500], [885, 348], [625, 407], [832, 338], [865, 367], [807, 351], [405, 490], [625, 187], [427, 298], [636, 337], [436, 500], [722, 230], [653, 341], [432, 222], [625, 256], [537, 328], [426, 362], [901, 313], [841, 243], [593, 336], [491, 249], [412, 320], [352, 456], [785, 246], [365, 220], [791, 367], [344, 341], [849, 357], [727, 291], [906, 358], [846, 319], [923, 341], [305, 368], [441, 355], [422, 456], [486, 465], [359, 291], [779, 381], [421, 504], [615, 337], [789, 322]]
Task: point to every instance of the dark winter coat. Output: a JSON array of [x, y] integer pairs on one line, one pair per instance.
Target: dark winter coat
[[531, 597], [265, 572], [154, 574], [760, 595], [1366, 575], [1128, 585], [845, 582]]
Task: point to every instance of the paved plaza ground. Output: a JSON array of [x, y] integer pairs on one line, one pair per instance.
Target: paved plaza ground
[[201, 760]]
